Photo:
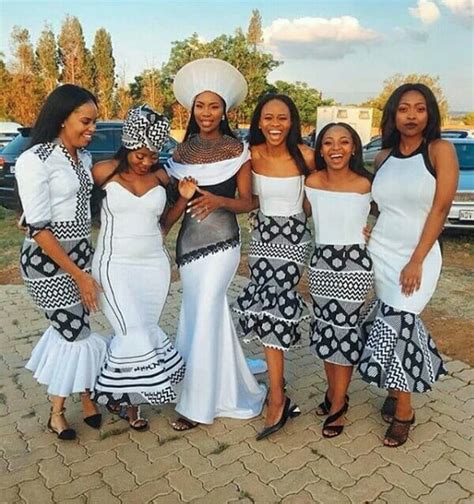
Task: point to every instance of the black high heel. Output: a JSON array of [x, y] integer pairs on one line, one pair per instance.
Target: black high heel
[[334, 430], [325, 406], [288, 412]]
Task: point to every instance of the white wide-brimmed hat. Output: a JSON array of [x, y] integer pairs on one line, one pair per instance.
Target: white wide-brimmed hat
[[210, 74]]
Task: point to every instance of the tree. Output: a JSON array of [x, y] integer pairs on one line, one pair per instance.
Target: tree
[[47, 57], [306, 99], [468, 119], [254, 32], [104, 72], [397, 80], [24, 94], [76, 61], [147, 88], [5, 86]]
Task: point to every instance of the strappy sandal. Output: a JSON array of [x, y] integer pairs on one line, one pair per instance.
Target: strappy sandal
[[183, 424], [138, 424], [66, 434], [95, 420], [398, 432], [388, 409], [289, 411], [330, 431], [323, 408]]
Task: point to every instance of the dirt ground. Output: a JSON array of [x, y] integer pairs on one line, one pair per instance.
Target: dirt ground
[[449, 315]]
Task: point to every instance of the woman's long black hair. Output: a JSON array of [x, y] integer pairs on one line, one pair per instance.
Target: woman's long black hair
[[390, 134], [193, 128], [58, 106], [356, 163], [293, 140]]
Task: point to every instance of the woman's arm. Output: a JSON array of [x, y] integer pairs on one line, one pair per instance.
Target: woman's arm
[[446, 166], [202, 206], [102, 171], [186, 189]]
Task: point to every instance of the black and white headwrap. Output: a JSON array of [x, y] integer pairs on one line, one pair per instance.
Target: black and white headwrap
[[143, 127]]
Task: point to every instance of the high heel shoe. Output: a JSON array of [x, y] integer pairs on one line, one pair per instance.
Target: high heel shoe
[[325, 406], [289, 411], [330, 431], [66, 434]]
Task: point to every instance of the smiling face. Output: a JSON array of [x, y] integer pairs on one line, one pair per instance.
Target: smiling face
[[275, 122], [337, 147], [208, 111], [141, 160], [411, 117], [79, 127]]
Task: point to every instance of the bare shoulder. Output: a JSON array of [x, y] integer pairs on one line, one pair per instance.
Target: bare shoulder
[[443, 156], [316, 179], [381, 157], [255, 151], [162, 176], [308, 155], [103, 169], [441, 147], [363, 184]]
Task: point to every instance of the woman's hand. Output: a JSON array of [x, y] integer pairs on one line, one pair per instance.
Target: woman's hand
[[187, 187], [410, 277], [201, 207], [89, 289], [367, 231]]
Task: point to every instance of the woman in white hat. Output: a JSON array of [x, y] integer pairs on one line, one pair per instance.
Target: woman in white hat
[[142, 366], [210, 165]]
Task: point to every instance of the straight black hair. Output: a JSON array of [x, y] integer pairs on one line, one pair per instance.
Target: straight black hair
[[293, 140], [356, 163], [390, 134], [193, 128], [58, 106]]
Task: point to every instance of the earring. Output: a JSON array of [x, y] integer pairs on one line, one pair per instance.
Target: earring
[[62, 125], [223, 117], [353, 154]]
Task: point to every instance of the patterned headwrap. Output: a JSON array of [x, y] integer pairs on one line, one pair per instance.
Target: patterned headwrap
[[143, 127]]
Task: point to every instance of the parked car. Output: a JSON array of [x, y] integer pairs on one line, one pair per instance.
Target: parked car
[[8, 131], [461, 214], [104, 145], [457, 133], [370, 150], [242, 134]]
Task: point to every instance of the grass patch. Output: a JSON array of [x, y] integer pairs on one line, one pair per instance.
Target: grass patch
[[112, 432], [163, 441], [11, 238], [3, 399], [30, 414], [312, 395], [245, 495], [220, 448]]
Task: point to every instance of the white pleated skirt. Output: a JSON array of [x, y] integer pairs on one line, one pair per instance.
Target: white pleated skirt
[[217, 382]]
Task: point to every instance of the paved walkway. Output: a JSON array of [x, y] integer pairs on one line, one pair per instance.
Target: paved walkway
[[223, 462]]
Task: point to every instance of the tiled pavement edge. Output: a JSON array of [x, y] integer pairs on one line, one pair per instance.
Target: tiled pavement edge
[[223, 462]]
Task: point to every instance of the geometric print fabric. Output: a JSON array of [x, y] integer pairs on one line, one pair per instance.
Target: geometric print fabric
[[340, 278], [270, 309], [400, 353]]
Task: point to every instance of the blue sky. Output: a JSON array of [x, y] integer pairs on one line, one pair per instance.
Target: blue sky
[[344, 48]]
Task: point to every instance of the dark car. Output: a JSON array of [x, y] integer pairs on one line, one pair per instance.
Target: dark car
[[104, 145]]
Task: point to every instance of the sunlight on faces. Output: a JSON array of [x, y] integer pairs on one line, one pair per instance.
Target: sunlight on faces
[[275, 122], [337, 148], [208, 112], [79, 126], [411, 117], [141, 160]]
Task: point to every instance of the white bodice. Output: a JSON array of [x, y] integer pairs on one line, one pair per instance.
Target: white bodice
[[279, 196], [339, 217], [130, 224]]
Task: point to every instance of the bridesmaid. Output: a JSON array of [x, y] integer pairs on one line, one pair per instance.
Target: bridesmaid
[[415, 183], [271, 310], [340, 274], [130, 261], [55, 183]]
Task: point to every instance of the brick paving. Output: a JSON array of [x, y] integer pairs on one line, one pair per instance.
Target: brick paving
[[222, 462]]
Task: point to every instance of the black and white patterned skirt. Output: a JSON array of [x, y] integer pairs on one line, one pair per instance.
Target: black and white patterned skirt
[[399, 353], [340, 277], [269, 307]]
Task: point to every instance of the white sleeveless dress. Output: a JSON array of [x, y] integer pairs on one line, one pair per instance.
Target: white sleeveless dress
[[270, 308], [131, 265], [400, 353], [340, 274]]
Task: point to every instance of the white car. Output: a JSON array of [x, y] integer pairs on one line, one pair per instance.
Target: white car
[[8, 131]]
